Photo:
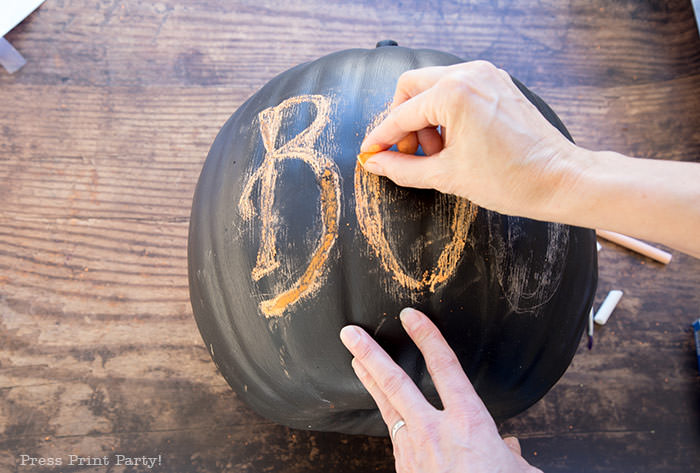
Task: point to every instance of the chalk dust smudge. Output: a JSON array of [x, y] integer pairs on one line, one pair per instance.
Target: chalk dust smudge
[[300, 147], [527, 282]]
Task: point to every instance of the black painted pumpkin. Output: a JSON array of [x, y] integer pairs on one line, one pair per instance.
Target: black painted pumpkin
[[290, 240]]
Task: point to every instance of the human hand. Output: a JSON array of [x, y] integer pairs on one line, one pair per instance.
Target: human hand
[[460, 438], [496, 148]]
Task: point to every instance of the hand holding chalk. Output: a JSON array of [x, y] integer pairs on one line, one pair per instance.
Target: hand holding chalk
[[484, 141]]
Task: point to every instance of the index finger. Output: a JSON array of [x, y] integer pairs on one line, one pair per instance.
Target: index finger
[[410, 84], [400, 390], [450, 381], [412, 115]]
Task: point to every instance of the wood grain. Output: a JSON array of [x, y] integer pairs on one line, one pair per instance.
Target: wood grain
[[102, 137]]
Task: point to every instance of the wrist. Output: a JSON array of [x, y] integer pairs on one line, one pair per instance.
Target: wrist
[[571, 175], [602, 189]]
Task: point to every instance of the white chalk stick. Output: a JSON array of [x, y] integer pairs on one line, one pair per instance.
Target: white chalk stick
[[10, 58], [607, 307], [598, 246], [636, 245]]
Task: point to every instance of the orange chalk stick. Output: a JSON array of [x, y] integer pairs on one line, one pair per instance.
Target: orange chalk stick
[[363, 157], [371, 151]]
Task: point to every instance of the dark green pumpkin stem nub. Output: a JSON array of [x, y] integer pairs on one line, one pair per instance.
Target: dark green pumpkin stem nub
[[387, 42]]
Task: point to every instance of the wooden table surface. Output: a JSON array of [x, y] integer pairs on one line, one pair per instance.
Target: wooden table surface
[[102, 137]]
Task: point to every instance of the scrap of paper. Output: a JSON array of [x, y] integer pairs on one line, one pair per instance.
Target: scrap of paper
[[11, 14]]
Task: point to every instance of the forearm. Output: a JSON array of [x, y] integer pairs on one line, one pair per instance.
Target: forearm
[[650, 199]]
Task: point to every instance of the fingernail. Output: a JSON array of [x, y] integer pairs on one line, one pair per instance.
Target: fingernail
[[350, 335], [408, 316]]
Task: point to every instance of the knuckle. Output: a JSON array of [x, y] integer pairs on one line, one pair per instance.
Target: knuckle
[[504, 74], [407, 77], [444, 363], [391, 384], [363, 350], [459, 87], [368, 382], [455, 80], [482, 66], [476, 72], [423, 332]]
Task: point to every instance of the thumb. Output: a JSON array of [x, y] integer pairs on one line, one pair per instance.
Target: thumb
[[407, 170]]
